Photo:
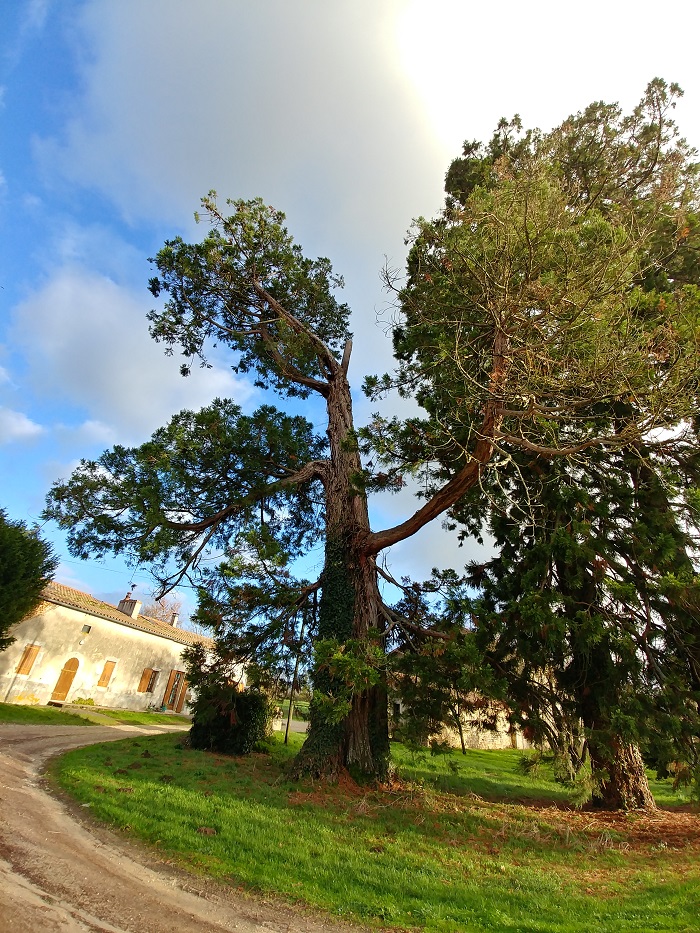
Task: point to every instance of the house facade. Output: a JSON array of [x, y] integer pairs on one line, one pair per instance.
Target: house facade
[[75, 647]]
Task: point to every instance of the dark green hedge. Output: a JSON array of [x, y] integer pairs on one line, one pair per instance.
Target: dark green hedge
[[230, 721]]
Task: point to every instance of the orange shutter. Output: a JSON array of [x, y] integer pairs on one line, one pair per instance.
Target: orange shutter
[[107, 672], [169, 687], [145, 678], [181, 698], [28, 659]]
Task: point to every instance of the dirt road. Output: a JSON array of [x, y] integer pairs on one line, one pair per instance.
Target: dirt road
[[59, 874]]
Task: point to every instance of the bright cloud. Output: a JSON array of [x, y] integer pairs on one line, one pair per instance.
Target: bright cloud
[[312, 114], [16, 426], [469, 64], [86, 341], [90, 432]]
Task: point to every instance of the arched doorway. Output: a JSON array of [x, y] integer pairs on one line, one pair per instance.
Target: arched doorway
[[65, 680]]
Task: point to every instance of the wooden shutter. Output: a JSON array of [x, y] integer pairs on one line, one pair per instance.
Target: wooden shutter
[[169, 687], [107, 672], [181, 698], [145, 679], [28, 658]]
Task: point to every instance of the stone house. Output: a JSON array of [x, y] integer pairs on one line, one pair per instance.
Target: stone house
[[77, 647]]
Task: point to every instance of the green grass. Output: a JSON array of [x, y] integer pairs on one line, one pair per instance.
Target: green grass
[[493, 774], [301, 709], [499, 775], [131, 718], [454, 846], [39, 716]]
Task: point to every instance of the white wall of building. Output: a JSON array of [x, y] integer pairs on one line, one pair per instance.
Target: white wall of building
[[59, 632]]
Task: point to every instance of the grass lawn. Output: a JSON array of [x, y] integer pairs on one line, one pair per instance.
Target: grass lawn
[[131, 718], [301, 708], [88, 716], [39, 716], [457, 843]]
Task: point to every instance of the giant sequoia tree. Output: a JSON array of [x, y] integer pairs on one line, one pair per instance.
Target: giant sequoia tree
[[589, 613], [520, 313]]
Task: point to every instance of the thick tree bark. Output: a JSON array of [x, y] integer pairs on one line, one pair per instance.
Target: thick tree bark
[[348, 613], [617, 769], [619, 777]]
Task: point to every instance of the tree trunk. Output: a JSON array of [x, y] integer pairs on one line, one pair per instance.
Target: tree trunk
[[349, 617], [460, 728], [620, 781]]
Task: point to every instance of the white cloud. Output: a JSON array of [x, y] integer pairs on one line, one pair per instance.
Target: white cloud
[[4, 376], [302, 104], [90, 432], [68, 576], [345, 115], [499, 59], [16, 426], [311, 109], [31, 23], [35, 15], [86, 342]]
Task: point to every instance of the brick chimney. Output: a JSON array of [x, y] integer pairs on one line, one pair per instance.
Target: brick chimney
[[130, 607]]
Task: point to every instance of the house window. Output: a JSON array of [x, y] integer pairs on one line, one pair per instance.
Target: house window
[[148, 680], [87, 629], [107, 672], [28, 658]]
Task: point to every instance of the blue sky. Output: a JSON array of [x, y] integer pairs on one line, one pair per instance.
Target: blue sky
[[116, 116]]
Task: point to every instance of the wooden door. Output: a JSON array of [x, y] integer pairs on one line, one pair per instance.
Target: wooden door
[[65, 679]]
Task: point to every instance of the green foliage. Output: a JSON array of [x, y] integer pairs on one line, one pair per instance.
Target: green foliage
[[230, 721], [527, 306], [590, 609], [26, 566], [214, 288], [225, 718], [154, 503], [567, 265], [437, 671]]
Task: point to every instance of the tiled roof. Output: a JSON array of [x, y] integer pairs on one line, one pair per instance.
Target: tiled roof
[[63, 595]]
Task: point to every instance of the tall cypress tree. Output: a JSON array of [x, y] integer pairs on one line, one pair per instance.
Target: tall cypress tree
[[26, 566]]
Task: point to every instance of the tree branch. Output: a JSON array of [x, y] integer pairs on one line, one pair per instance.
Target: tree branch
[[316, 469]]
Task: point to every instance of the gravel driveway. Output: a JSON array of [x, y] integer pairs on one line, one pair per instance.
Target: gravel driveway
[[60, 873]]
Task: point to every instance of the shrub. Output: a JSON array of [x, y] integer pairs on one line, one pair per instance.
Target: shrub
[[230, 721]]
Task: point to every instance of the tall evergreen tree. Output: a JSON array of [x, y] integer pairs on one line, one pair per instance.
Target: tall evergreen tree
[[26, 566], [590, 611], [519, 312]]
